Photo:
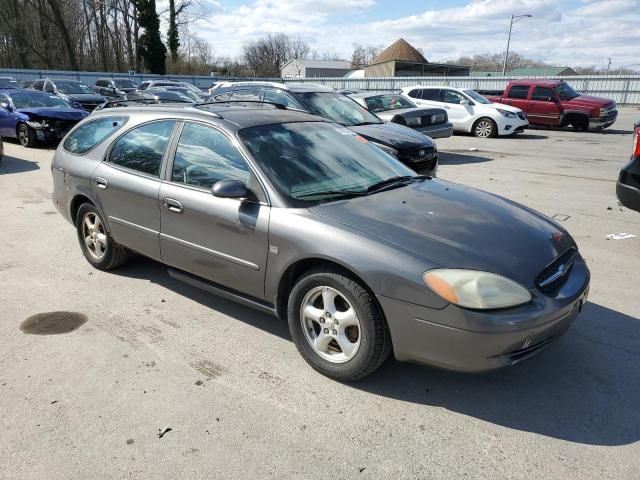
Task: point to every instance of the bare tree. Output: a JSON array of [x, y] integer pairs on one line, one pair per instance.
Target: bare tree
[[363, 55], [265, 56]]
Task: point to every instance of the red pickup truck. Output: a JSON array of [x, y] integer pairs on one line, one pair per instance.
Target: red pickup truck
[[555, 103]]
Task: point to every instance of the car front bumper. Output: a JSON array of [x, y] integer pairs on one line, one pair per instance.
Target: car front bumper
[[464, 340], [603, 122], [509, 126], [442, 130]]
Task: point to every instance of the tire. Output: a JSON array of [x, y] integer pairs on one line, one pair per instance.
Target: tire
[[27, 136], [340, 313], [580, 124], [97, 246], [485, 128]]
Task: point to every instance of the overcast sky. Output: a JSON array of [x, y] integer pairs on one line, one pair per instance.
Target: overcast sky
[[562, 32]]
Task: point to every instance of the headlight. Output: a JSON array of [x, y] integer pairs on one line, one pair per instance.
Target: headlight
[[386, 149], [476, 289], [506, 113]]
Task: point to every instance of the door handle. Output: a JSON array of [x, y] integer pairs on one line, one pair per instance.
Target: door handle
[[173, 205], [101, 183]]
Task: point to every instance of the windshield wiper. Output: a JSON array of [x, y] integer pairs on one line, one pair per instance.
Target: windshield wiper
[[389, 182], [365, 123], [355, 193]]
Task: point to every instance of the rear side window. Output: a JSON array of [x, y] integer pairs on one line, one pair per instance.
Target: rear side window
[[92, 133], [415, 93], [432, 94], [518, 91], [142, 148]]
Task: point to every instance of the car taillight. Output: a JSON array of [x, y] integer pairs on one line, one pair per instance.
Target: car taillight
[[636, 142]]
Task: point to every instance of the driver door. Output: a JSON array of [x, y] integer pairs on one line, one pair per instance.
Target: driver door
[[457, 113], [543, 108], [224, 240]]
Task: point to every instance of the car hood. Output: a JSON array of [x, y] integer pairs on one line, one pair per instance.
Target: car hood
[[502, 106], [410, 112], [454, 226], [85, 97], [55, 113], [588, 101], [393, 135]]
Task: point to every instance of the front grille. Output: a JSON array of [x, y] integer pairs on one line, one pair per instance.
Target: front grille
[[416, 155], [555, 274]]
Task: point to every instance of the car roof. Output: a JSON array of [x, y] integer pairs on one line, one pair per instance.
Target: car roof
[[371, 94], [533, 81], [291, 87], [239, 117]]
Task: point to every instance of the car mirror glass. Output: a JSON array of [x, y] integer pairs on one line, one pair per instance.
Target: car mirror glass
[[231, 189]]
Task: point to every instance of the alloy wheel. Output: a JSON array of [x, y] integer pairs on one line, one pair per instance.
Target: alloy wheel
[[484, 129], [23, 135], [330, 324], [95, 237]]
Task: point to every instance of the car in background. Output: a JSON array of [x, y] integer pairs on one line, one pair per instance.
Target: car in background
[[469, 111], [1, 149], [193, 88], [628, 185], [28, 84], [350, 91], [395, 108], [114, 87], [183, 90], [31, 116], [554, 103], [10, 82], [302, 218], [159, 95], [76, 93], [410, 147]]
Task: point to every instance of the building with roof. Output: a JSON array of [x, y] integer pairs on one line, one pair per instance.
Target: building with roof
[[542, 72], [400, 59], [315, 68]]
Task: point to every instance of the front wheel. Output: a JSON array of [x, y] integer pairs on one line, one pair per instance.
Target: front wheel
[[27, 136], [337, 325], [485, 128]]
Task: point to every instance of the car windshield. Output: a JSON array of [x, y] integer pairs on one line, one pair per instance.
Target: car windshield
[[311, 162], [166, 95], [192, 88], [31, 100], [476, 97], [184, 91], [381, 103], [71, 88], [566, 92], [338, 108], [125, 84], [9, 83]]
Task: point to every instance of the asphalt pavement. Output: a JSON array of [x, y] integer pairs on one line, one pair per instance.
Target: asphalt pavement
[[149, 378]]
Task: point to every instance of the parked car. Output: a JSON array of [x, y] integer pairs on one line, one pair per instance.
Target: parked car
[[34, 117], [307, 220], [160, 95], [114, 87], [183, 90], [9, 82], [193, 88], [350, 91], [628, 186], [469, 111], [554, 103], [410, 147], [1, 149], [76, 93], [392, 107], [28, 84], [158, 83]]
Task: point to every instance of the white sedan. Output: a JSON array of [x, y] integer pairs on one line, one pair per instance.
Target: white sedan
[[469, 111]]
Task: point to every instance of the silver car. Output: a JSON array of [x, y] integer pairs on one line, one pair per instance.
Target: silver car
[[393, 107], [303, 218]]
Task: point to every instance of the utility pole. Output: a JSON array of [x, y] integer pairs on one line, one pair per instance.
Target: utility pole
[[608, 65], [514, 19]]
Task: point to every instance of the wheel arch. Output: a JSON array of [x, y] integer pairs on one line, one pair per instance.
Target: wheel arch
[[75, 204]]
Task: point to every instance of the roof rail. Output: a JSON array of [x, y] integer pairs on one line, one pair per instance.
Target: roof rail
[[145, 101], [278, 106]]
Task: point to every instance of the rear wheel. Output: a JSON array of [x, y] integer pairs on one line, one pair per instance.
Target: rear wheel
[[485, 128], [97, 246], [27, 136], [337, 325]]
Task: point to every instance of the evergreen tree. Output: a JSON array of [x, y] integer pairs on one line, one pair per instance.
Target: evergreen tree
[[150, 47]]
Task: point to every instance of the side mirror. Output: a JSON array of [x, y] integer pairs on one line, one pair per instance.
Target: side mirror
[[5, 106], [465, 102], [231, 189]]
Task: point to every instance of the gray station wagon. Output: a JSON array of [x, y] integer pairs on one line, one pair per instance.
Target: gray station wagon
[[303, 218]]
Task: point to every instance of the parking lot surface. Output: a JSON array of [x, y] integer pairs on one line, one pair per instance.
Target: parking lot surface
[[144, 353]]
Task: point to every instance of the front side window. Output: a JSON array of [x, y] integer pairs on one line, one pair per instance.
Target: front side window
[[381, 103], [518, 91], [142, 148], [542, 94], [449, 96], [311, 162], [204, 156], [338, 108], [37, 85], [90, 134], [282, 98]]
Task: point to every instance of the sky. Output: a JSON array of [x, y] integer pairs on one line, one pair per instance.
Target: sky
[[561, 32]]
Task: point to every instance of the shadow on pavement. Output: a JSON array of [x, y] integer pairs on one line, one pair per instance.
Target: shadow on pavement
[[451, 158], [585, 389], [613, 131], [10, 164]]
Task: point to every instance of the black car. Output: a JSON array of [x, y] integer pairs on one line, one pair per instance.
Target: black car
[[9, 82], [628, 186], [114, 87], [412, 148], [73, 91]]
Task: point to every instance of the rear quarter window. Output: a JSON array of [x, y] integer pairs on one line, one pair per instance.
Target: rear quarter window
[[92, 133], [518, 91]]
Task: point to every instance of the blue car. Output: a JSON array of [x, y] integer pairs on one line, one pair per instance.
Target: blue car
[[34, 117]]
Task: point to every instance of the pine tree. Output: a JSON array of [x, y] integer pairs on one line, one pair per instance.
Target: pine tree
[[150, 47]]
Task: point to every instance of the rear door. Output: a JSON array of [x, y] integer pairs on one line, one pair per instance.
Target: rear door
[[427, 97], [221, 239], [518, 96], [127, 185], [543, 108]]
